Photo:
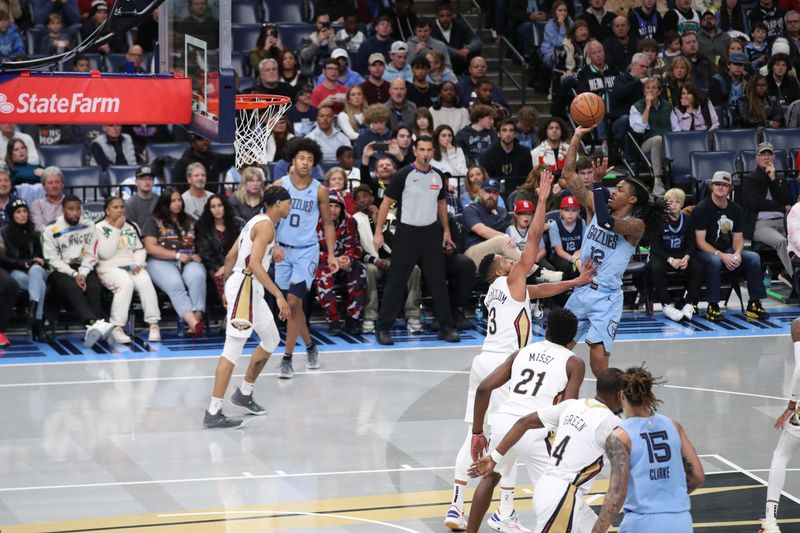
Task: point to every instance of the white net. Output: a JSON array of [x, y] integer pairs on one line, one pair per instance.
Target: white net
[[256, 116]]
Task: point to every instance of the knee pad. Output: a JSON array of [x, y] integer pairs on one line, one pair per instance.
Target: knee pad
[[298, 289], [233, 348], [270, 339]]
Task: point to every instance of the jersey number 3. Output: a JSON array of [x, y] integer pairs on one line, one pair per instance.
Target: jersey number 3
[[527, 377]]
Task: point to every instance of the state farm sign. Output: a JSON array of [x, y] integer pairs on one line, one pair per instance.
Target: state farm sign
[[67, 98]]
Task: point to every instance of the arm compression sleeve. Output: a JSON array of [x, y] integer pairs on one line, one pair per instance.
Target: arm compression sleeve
[[604, 218]]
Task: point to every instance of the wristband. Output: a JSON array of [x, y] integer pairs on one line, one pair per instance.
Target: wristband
[[177, 256], [496, 456], [716, 252]]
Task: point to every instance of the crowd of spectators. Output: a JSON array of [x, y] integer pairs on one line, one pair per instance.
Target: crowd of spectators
[[367, 84]]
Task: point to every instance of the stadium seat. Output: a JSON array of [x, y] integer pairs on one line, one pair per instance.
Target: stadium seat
[[538, 33], [223, 148], [119, 173], [241, 64], [703, 165], [749, 160], [292, 34], [245, 36], [677, 145], [283, 11], [114, 62], [173, 150], [783, 138], [244, 12], [34, 39], [84, 182], [734, 140], [94, 210], [62, 155]]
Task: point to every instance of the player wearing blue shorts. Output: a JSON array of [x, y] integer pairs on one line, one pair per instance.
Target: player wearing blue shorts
[[614, 228], [654, 466], [297, 242]]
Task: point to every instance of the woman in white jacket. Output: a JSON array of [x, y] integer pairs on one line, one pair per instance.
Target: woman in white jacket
[[121, 260]]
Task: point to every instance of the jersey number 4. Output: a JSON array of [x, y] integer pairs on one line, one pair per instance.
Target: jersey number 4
[[527, 377], [558, 451], [658, 450]]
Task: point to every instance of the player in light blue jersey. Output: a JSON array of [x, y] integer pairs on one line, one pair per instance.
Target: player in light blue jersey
[[297, 243], [654, 466], [614, 228]]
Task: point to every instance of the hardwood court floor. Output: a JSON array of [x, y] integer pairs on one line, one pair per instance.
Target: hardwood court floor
[[111, 440]]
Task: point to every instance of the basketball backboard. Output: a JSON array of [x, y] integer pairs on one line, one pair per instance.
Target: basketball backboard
[[195, 39]]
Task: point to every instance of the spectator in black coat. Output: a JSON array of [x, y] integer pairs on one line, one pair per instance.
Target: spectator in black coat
[[619, 47], [599, 19], [628, 89], [380, 42], [462, 43], [783, 86], [217, 231], [404, 20], [506, 159], [766, 199], [199, 151]]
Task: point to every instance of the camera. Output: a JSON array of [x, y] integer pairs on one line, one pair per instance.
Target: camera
[[272, 30], [381, 147], [327, 25]]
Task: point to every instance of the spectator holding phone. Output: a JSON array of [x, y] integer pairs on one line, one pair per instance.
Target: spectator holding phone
[[268, 45], [330, 92], [317, 48]]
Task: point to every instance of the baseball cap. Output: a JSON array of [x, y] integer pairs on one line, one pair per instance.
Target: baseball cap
[[339, 52], [491, 185], [376, 56], [398, 46], [720, 176], [765, 147], [570, 201], [738, 58], [523, 206], [99, 5], [144, 170], [361, 188], [708, 12], [13, 206]]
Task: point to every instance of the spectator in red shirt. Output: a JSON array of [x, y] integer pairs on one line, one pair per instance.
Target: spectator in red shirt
[[330, 92]]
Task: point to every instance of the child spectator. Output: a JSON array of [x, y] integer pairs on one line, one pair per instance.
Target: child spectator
[[350, 37], [758, 48], [346, 158], [336, 179], [672, 48], [566, 237], [56, 41], [520, 224], [11, 45]]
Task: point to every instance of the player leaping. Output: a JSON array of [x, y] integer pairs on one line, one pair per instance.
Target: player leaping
[[614, 229], [246, 269], [508, 329]]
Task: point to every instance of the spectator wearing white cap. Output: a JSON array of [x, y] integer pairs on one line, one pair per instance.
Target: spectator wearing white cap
[[398, 63], [347, 76]]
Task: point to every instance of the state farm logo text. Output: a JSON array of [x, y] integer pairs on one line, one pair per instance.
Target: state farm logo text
[[77, 103]]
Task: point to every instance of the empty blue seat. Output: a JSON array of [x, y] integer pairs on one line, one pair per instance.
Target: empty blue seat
[[119, 173], [244, 12], [115, 62], [173, 150], [293, 34], [84, 182], [34, 37], [284, 11], [62, 155], [677, 146], [241, 64], [783, 138], [245, 36], [735, 140]]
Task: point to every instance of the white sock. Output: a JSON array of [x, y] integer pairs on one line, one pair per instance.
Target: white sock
[[458, 495], [463, 459], [246, 388], [772, 510], [506, 502], [215, 406]]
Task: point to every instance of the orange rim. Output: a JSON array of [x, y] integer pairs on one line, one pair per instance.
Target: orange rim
[[251, 101]]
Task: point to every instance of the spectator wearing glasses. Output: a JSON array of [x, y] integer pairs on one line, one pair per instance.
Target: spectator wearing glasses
[[766, 199], [330, 92]]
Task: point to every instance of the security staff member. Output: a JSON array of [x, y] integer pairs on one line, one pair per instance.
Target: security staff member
[[419, 192]]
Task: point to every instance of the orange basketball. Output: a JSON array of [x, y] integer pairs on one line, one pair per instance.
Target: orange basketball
[[587, 109]]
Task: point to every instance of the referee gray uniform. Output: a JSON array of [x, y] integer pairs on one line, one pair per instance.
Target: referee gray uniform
[[418, 239]]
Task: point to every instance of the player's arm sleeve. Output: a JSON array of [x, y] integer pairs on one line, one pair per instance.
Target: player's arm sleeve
[[550, 415]]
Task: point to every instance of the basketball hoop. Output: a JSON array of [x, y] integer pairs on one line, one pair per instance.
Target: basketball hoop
[[256, 116]]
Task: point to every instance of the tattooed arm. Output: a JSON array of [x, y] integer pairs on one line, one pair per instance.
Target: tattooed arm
[[695, 476], [569, 177], [618, 451]]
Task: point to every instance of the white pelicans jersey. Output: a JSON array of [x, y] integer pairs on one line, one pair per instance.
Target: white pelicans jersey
[[246, 246], [508, 321]]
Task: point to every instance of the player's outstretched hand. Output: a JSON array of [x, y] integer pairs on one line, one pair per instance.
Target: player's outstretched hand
[[481, 467], [601, 168], [587, 273], [785, 415], [580, 131], [283, 308], [478, 446], [545, 183]]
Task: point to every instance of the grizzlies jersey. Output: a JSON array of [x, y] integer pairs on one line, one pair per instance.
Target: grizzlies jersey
[[299, 229], [508, 322], [571, 240], [246, 246], [657, 479], [538, 378], [609, 251], [582, 427], [676, 234]]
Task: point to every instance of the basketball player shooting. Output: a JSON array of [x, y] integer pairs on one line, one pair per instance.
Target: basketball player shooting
[[615, 226], [246, 268]]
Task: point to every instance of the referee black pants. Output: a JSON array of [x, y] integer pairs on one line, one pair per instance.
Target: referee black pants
[[9, 290], [415, 245]]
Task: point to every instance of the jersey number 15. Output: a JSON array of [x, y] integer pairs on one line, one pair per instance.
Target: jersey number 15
[[658, 450]]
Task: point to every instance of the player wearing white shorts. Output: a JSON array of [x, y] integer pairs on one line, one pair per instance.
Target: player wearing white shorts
[[246, 274], [788, 442], [508, 329], [581, 427], [537, 376]]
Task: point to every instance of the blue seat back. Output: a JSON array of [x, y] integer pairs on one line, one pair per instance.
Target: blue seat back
[[173, 150], [783, 138], [283, 11], [119, 173], [677, 146], [735, 140], [62, 155], [749, 160], [245, 36]]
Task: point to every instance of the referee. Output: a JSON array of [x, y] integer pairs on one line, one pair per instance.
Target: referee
[[419, 192]]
